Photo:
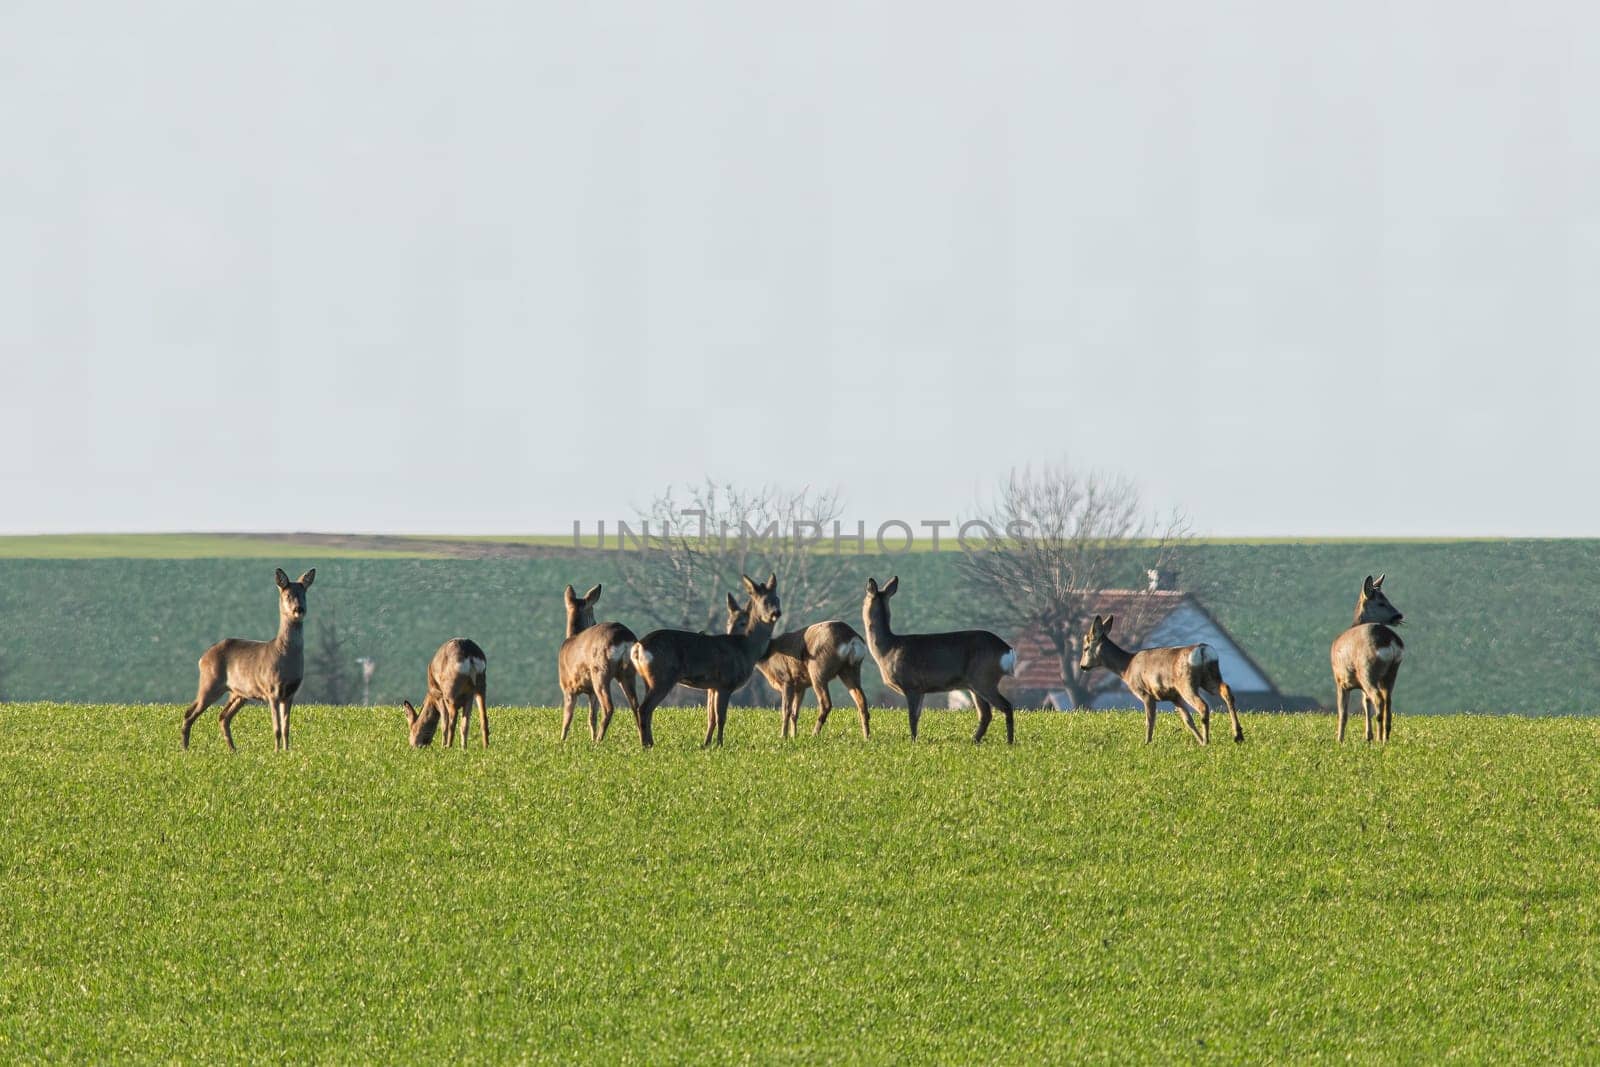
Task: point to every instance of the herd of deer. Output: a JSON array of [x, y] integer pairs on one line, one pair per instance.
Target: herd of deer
[[1366, 657]]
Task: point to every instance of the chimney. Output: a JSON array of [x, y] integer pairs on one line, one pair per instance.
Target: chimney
[[1160, 579]]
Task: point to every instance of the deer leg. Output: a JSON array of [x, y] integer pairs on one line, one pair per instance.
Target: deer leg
[[723, 699], [850, 675], [985, 716], [998, 699], [711, 718], [607, 708], [285, 706], [653, 697], [1182, 708], [277, 724], [210, 690], [225, 720], [1385, 714], [1197, 701], [481, 698], [819, 685], [630, 694], [568, 700], [1341, 707], [1366, 706], [1233, 710], [1149, 719], [594, 716], [913, 710]]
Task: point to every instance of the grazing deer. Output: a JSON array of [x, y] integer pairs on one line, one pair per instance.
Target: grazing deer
[[592, 657], [918, 664], [812, 658], [1182, 675], [268, 671], [1367, 657], [457, 679], [717, 663]]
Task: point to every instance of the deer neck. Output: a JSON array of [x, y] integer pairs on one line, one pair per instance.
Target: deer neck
[[1116, 658], [291, 633], [757, 636], [879, 636], [577, 623]]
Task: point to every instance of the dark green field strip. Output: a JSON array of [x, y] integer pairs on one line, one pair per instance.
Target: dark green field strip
[[1080, 895], [1491, 626]]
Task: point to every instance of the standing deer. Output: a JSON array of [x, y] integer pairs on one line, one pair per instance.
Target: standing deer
[[591, 658], [918, 664], [812, 658], [717, 663], [1367, 657], [457, 679], [1182, 675], [268, 671]]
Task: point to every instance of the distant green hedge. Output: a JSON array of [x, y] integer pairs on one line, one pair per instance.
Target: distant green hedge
[[1491, 626]]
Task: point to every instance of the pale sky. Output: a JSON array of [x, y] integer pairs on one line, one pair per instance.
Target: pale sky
[[1297, 269]]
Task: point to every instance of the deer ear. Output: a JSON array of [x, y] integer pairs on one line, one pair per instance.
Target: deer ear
[[749, 586], [1109, 621], [1366, 586], [872, 587], [592, 595], [892, 587], [1377, 583], [572, 595], [733, 605], [308, 577], [772, 582], [283, 579]]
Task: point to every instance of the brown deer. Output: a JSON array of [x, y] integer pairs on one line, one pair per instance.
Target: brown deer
[[918, 664], [268, 671], [591, 658], [809, 658], [717, 663], [1182, 675], [1367, 657], [457, 680]]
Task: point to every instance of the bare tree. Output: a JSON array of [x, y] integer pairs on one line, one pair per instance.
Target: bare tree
[[691, 548], [330, 670], [1056, 541]]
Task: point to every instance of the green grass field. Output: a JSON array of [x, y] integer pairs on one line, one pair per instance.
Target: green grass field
[[1078, 896]]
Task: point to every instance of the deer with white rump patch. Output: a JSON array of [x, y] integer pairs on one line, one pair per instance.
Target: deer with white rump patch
[[457, 680], [809, 658], [1367, 657], [1182, 675], [268, 671], [918, 664], [717, 663], [591, 658]]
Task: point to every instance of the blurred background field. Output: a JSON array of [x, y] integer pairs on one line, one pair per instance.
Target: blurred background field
[[1492, 626]]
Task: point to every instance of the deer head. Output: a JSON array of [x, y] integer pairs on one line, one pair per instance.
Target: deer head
[[292, 595], [764, 606], [1094, 643], [738, 616], [580, 609], [423, 725], [1374, 607]]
